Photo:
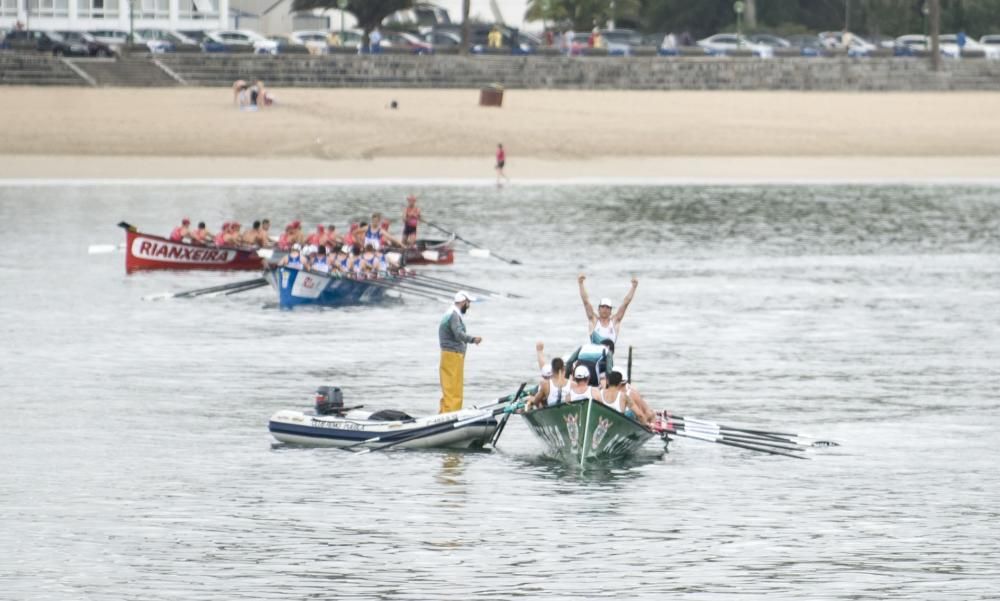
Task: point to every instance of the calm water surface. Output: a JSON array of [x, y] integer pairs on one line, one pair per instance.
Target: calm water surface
[[136, 462]]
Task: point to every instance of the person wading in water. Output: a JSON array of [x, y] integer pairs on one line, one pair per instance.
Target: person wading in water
[[454, 340]]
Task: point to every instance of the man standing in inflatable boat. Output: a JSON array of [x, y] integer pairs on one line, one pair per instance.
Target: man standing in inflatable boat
[[453, 339]]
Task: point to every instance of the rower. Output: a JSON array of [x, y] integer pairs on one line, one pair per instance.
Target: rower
[[580, 389], [616, 397], [220, 238], [373, 233], [372, 262], [265, 234], [319, 262], [554, 387], [603, 324], [411, 218], [202, 235], [599, 358], [251, 237], [318, 237], [293, 259], [332, 239], [343, 263], [642, 409], [232, 237], [182, 231]]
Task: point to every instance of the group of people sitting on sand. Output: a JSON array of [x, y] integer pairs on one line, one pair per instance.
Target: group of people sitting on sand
[[250, 96], [589, 372]]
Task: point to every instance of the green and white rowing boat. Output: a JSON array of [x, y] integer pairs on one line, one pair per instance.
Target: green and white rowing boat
[[583, 431]]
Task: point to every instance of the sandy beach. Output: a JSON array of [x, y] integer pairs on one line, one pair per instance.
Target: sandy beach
[[58, 133]]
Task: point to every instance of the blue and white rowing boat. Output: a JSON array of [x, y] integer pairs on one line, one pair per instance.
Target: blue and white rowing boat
[[299, 287]]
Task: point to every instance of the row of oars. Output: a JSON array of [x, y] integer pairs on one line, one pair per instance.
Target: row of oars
[[411, 283], [763, 441]]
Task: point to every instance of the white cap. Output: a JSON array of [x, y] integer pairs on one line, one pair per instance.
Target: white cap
[[605, 302], [461, 296], [297, 246], [547, 371], [581, 372]]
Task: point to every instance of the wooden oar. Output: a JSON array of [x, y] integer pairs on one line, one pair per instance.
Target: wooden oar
[[730, 443], [705, 425], [506, 416], [456, 286], [473, 244], [200, 291]]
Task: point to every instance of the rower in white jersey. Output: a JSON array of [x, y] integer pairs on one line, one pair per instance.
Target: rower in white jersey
[[553, 389], [580, 388], [603, 324]]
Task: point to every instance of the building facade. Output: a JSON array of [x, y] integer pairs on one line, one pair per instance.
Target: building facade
[[114, 14]]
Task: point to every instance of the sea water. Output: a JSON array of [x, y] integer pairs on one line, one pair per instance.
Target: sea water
[[136, 462]]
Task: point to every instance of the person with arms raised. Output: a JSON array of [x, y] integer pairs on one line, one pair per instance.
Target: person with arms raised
[[603, 324]]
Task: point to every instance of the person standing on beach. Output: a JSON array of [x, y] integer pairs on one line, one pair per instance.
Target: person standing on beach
[[501, 161], [603, 325], [454, 340]]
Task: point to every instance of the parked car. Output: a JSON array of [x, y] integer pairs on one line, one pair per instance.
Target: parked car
[[119, 37], [443, 39], [910, 45], [990, 40], [243, 38], [808, 45], [175, 38], [620, 42], [313, 39], [856, 45], [401, 39], [769, 39], [44, 41], [201, 38], [721, 43], [949, 47], [93, 45]]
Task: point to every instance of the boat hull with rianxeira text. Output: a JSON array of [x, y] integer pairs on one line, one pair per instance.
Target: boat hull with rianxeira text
[[146, 252], [583, 431]]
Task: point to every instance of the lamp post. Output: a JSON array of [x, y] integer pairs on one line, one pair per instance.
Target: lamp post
[[738, 9], [611, 23], [131, 22], [925, 10], [343, 6]]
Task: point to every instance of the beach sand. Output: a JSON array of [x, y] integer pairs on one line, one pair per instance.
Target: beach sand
[[53, 133]]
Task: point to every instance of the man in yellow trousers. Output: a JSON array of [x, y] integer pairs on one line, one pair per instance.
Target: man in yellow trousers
[[453, 339]]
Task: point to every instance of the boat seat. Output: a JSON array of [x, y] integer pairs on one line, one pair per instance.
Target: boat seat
[[390, 415]]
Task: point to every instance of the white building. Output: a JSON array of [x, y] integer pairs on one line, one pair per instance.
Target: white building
[[114, 14]]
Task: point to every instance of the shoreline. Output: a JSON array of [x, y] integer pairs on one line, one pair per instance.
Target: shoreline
[[28, 170]]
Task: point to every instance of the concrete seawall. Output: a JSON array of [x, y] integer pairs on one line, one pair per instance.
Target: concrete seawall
[[544, 72]]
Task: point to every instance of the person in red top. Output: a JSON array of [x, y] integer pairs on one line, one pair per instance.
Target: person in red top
[[318, 237], [182, 231], [501, 161], [285, 239], [411, 218], [220, 238], [296, 235]]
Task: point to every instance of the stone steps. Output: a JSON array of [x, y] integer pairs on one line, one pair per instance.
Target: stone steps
[[125, 72]]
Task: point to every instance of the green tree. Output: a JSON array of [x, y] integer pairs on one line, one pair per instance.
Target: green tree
[[585, 14], [369, 13]]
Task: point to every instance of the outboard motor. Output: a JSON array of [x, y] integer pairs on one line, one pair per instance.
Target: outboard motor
[[329, 400]]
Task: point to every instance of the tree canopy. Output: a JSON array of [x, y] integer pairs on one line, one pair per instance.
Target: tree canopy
[[369, 13]]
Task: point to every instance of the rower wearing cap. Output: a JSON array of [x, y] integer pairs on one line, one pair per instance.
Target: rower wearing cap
[[603, 325], [293, 259], [454, 340], [617, 396], [220, 238], [580, 389], [181, 232]]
